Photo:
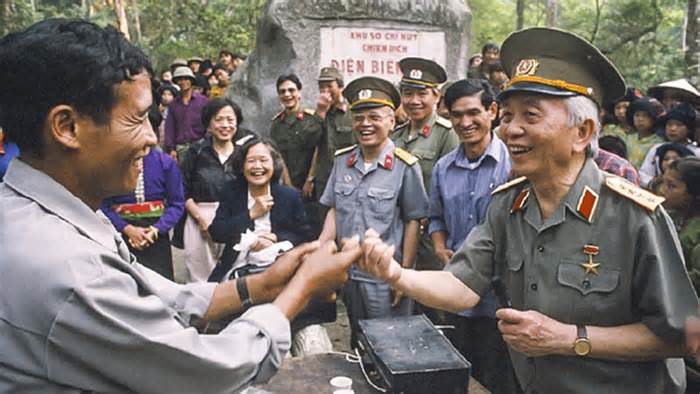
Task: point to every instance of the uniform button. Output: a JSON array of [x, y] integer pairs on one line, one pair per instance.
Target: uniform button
[[586, 283], [540, 248], [533, 287]]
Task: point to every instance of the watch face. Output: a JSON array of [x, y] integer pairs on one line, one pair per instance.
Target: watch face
[[582, 347]]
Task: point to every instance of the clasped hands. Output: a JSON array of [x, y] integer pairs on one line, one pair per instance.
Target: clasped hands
[[140, 238]]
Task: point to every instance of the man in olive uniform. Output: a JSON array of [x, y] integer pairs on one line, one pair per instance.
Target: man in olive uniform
[[337, 127], [374, 185], [426, 135], [592, 262], [296, 134]]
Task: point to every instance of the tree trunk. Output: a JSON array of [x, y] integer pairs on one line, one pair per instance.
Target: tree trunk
[[137, 19], [551, 13], [692, 41], [520, 12], [120, 13]]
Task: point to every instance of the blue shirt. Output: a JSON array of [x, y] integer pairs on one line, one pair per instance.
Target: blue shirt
[[460, 193], [11, 150]]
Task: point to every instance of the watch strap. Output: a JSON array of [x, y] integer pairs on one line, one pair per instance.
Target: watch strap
[[243, 294], [581, 331]]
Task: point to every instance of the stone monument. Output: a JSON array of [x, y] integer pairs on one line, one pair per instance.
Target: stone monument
[[359, 37]]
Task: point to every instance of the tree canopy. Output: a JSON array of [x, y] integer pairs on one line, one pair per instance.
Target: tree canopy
[[644, 38]]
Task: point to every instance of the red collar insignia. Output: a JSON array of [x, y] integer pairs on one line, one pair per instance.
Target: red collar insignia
[[426, 131], [520, 201], [300, 116], [587, 203], [2, 143], [352, 159], [389, 161]]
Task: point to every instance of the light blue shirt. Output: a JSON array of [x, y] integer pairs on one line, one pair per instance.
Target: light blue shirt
[[460, 193]]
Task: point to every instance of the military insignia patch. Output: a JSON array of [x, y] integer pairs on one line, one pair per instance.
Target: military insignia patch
[[527, 67], [364, 94], [415, 74]]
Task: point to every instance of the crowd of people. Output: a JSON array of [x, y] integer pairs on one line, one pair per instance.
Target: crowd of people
[[556, 183]]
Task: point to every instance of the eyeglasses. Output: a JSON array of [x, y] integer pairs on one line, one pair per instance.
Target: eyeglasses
[[373, 118]]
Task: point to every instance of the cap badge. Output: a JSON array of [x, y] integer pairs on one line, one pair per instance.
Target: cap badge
[[364, 94], [415, 74], [527, 67]]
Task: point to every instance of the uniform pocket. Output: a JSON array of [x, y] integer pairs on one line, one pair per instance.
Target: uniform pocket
[[573, 275], [381, 200], [344, 201]]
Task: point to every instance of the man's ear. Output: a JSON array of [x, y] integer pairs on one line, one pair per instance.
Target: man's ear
[[584, 135], [63, 124], [493, 111]]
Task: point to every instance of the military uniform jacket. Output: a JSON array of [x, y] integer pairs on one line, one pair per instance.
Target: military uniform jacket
[[383, 197], [337, 134], [296, 137], [640, 277], [79, 314], [435, 140]]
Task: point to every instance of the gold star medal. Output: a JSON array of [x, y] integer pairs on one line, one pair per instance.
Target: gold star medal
[[590, 266]]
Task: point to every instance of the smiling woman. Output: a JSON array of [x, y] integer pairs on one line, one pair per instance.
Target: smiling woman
[[207, 167]]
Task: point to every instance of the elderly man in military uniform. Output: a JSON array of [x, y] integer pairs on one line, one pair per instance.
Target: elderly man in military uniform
[[592, 263], [426, 135], [374, 185]]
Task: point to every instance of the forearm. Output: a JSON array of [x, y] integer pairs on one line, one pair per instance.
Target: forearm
[[410, 243], [451, 295], [293, 298], [312, 168], [226, 301], [439, 239], [192, 209], [632, 342], [328, 232]]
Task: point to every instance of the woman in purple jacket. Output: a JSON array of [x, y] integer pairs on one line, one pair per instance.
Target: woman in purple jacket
[[145, 216]]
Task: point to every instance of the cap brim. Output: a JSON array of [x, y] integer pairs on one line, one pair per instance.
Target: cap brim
[[326, 79], [368, 106], [413, 85], [535, 88]]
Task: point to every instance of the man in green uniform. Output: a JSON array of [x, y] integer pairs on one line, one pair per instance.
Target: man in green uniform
[[426, 135], [337, 128], [592, 263], [296, 134]]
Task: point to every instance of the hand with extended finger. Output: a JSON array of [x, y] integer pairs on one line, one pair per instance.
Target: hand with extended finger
[[323, 103], [263, 205], [378, 258], [534, 334], [326, 269]]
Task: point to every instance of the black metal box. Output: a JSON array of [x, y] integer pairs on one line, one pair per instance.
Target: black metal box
[[412, 356]]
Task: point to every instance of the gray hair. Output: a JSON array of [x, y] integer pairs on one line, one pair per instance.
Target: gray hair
[[581, 108]]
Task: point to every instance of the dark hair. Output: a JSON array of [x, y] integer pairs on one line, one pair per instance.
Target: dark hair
[[613, 144], [225, 52], [288, 77], [214, 106], [470, 87], [61, 61], [689, 170], [166, 86], [661, 151], [496, 66], [490, 45], [643, 104], [242, 152]]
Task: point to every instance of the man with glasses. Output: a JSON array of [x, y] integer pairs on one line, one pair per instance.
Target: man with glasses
[[374, 185]]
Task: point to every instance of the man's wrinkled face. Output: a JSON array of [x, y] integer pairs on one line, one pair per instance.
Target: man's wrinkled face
[[535, 128], [372, 126]]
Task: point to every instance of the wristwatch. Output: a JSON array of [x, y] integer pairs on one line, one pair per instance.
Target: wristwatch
[[582, 345], [242, 287]]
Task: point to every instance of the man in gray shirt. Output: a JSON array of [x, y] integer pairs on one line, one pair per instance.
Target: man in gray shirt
[[77, 312]]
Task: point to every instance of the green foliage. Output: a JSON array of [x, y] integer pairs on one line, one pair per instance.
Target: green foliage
[[642, 37]]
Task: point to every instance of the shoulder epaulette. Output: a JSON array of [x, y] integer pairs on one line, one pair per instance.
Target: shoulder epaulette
[[443, 122], [646, 199], [508, 185], [278, 115], [309, 111], [405, 156], [402, 125], [345, 150]]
